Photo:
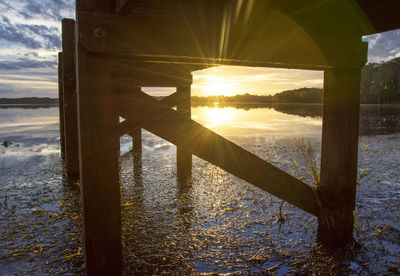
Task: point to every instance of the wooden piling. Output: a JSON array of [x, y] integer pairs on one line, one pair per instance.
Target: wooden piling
[[183, 155], [70, 99], [61, 105], [98, 152], [337, 188], [137, 149], [137, 156]]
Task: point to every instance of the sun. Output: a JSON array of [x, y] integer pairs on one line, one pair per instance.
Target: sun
[[218, 87]]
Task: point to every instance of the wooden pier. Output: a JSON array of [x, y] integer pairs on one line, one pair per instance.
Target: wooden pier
[[115, 47]]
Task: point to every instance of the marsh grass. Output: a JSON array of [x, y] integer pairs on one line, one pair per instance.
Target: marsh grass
[[306, 154]]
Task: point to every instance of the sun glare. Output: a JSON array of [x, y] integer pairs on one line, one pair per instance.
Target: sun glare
[[218, 87], [218, 116]]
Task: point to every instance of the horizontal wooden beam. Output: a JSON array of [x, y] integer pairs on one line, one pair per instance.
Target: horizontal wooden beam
[[142, 109], [134, 73], [199, 41]]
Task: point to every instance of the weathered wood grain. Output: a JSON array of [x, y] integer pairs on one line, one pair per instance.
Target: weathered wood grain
[[172, 100], [206, 44], [70, 100], [337, 188], [98, 153]]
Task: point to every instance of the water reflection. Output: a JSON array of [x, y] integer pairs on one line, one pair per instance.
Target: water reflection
[[282, 120], [214, 222], [157, 212], [379, 119], [263, 122]]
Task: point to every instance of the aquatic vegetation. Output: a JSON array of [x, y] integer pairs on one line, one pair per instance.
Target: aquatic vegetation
[[306, 154], [214, 223]]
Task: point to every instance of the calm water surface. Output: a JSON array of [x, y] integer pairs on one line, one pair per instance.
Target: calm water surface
[[215, 223]]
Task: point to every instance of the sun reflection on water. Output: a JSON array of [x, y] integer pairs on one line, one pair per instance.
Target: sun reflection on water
[[257, 122], [218, 116]]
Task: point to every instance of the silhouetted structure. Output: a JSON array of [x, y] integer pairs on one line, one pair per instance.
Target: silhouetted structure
[[122, 45]]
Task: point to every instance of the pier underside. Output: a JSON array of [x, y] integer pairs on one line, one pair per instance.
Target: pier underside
[[118, 46]]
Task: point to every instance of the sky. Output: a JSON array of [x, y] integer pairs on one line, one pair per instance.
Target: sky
[[30, 39]]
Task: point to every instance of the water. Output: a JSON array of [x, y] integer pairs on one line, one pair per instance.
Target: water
[[217, 223]]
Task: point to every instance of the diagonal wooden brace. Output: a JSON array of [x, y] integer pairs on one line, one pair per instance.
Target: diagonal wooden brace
[[141, 109]]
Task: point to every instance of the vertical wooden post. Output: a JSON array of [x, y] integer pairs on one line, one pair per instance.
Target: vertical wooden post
[[337, 189], [137, 157], [61, 105], [183, 156], [137, 143], [137, 154], [70, 99], [98, 152]]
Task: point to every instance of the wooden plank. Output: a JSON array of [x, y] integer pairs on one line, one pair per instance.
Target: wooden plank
[[134, 73], [337, 188], [119, 5], [178, 129], [183, 153], [107, 6], [61, 105], [359, 17], [383, 15], [98, 149], [171, 100], [111, 34], [70, 99]]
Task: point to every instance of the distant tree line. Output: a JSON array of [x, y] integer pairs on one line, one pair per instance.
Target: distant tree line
[[30, 100], [301, 95], [380, 84]]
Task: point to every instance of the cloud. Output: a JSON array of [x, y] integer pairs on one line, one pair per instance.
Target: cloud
[[24, 63], [48, 9], [30, 36], [383, 46], [40, 82]]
